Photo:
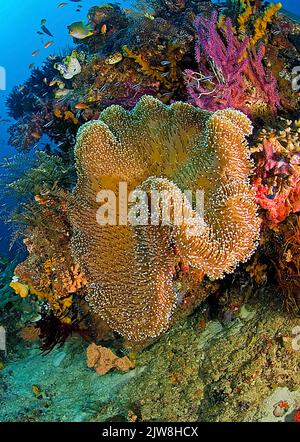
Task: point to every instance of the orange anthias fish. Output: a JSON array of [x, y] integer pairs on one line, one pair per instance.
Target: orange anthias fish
[[36, 135], [48, 44], [35, 53], [61, 5], [81, 106], [103, 29]]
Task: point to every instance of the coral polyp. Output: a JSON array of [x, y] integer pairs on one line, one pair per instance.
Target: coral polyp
[[131, 269]]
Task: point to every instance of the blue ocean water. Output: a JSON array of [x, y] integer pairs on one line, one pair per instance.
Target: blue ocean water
[[19, 38]]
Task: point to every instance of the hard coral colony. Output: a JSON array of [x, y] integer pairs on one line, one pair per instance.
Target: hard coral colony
[[171, 97]]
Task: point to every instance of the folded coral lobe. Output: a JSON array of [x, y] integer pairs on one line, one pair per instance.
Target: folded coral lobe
[[132, 269]]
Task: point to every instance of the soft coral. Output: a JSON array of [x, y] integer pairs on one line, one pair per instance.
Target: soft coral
[[231, 75]]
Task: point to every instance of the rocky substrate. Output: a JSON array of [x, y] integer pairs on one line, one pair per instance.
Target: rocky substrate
[[243, 366]]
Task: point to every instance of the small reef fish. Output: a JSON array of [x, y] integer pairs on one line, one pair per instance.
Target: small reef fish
[[61, 93], [57, 81], [62, 5], [36, 135], [114, 58], [48, 44], [80, 31], [81, 106], [103, 29], [149, 16], [31, 66], [127, 11], [35, 53], [165, 62], [46, 31], [36, 390]]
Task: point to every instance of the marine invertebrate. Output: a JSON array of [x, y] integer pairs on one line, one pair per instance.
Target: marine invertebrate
[[282, 250], [277, 171], [257, 270], [254, 22], [131, 269], [103, 360], [229, 75], [53, 331], [261, 23], [49, 273], [20, 289], [69, 67], [111, 84], [25, 177], [110, 14], [29, 333], [168, 77], [175, 6], [33, 95], [245, 15]]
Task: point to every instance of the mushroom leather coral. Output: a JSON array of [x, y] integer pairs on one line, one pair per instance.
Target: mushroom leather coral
[[131, 269]]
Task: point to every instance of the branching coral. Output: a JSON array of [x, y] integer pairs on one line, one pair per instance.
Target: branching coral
[[131, 269], [260, 23], [229, 76]]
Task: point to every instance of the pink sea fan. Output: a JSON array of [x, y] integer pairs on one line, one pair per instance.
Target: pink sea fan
[[230, 74]]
